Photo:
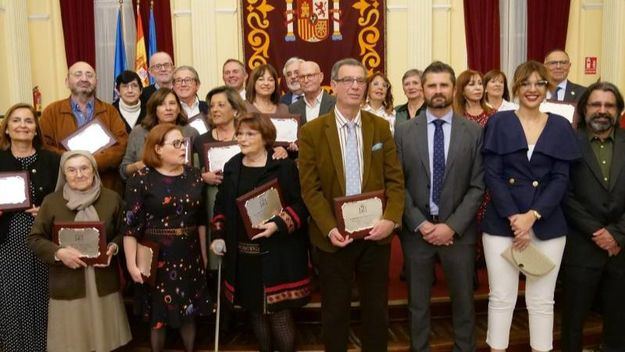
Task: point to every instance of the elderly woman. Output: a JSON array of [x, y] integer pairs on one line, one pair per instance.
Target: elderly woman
[[262, 93], [527, 155], [163, 107], [267, 274], [85, 302], [496, 94], [129, 87], [24, 292], [164, 205], [411, 83], [379, 99]]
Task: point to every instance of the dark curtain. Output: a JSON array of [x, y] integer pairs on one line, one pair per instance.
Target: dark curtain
[[481, 22], [78, 31], [162, 19], [547, 23]]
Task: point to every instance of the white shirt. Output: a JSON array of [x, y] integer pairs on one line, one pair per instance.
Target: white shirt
[[341, 126], [561, 91], [192, 110], [381, 112], [242, 93], [507, 105], [312, 108]]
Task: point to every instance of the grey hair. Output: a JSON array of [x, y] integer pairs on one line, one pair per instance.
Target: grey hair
[[190, 69], [345, 62]]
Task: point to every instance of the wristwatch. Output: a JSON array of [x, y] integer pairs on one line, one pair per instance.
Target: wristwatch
[[536, 215]]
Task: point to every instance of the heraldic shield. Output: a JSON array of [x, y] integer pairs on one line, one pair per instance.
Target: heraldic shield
[[313, 20]]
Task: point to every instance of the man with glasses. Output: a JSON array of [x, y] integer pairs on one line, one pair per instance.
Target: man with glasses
[[316, 100], [290, 74], [558, 65], [594, 262], [350, 152], [234, 76], [161, 69], [186, 85], [62, 118]]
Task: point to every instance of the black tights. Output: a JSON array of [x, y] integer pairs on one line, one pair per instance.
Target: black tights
[[187, 332], [282, 334]]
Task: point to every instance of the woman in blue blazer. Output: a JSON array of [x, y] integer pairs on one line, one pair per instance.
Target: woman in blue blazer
[[527, 154]]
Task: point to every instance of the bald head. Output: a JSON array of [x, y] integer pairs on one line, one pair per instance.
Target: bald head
[[81, 80], [162, 68], [310, 76]]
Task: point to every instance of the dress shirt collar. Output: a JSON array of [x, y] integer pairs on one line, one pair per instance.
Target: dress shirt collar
[[342, 120], [447, 117], [315, 102]]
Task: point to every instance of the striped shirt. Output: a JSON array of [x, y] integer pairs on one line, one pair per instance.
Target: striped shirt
[[341, 126]]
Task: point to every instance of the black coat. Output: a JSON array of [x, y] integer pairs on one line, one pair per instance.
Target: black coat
[[42, 175], [285, 259]]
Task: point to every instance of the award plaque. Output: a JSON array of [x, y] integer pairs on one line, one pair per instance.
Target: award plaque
[[15, 194], [356, 215], [92, 137], [287, 128], [217, 154], [199, 124], [188, 154], [147, 260], [87, 237], [561, 108], [259, 205]]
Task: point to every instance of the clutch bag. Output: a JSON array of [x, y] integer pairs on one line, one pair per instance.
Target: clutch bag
[[530, 261]]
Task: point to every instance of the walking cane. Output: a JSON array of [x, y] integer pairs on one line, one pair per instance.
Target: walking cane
[[219, 249]]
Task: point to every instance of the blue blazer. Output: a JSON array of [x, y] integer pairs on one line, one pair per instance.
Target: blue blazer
[[517, 184]]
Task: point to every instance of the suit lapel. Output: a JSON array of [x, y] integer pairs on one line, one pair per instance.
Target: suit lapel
[[455, 142], [332, 134], [617, 157], [367, 144], [421, 127], [591, 159]]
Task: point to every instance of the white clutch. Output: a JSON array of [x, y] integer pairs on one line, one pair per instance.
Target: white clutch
[[530, 261]]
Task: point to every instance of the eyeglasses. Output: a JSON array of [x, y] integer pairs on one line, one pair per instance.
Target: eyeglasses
[[158, 67], [348, 81], [177, 143], [556, 63], [83, 170], [307, 77], [186, 81], [598, 105], [542, 84], [131, 85]]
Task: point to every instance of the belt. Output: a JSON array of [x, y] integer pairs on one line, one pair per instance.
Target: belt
[[434, 219], [179, 231], [248, 248]]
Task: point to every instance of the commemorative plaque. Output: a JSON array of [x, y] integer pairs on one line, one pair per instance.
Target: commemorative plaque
[[217, 154], [287, 128], [15, 190], [92, 137], [147, 260], [199, 124], [87, 237], [259, 205], [356, 215]]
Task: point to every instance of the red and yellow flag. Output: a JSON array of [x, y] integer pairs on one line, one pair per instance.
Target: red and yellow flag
[[141, 59]]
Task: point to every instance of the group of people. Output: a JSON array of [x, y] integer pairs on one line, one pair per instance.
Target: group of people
[[458, 163]]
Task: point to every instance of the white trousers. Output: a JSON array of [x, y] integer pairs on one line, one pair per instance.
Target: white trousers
[[503, 280]]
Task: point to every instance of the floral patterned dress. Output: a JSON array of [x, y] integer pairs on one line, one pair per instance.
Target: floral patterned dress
[[157, 203]]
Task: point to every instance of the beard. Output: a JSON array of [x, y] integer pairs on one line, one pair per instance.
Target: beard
[[600, 121], [438, 104]]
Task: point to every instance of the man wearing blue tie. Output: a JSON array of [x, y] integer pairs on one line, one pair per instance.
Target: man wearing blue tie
[[443, 175]]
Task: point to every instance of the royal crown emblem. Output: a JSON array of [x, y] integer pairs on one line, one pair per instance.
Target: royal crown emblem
[[313, 18]]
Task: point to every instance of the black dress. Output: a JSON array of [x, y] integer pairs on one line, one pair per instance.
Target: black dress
[[155, 201], [23, 277]]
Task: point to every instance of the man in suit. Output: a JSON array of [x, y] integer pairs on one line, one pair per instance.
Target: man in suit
[[316, 101], [558, 64], [440, 153], [186, 85], [594, 263], [348, 152], [290, 74], [162, 70], [234, 76]]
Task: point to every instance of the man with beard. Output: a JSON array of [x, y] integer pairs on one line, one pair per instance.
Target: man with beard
[[162, 70], [62, 118], [234, 76], [440, 153], [290, 74], [594, 263]]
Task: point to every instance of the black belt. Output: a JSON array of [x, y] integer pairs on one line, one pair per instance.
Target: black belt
[[434, 219]]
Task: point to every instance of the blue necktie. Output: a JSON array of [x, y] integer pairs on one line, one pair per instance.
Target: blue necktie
[[352, 162], [554, 96], [438, 161]]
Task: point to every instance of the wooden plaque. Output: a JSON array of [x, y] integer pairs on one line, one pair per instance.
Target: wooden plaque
[[88, 237], [93, 137], [356, 215], [147, 260], [224, 151], [259, 205], [15, 190]]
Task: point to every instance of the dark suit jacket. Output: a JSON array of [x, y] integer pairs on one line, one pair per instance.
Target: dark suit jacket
[[463, 185], [299, 107], [287, 98], [322, 176], [517, 185], [573, 92], [592, 204], [146, 93]]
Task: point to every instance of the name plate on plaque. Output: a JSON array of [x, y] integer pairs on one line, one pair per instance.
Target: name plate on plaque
[[89, 238], [15, 190], [260, 205], [357, 214], [217, 154], [92, 137]]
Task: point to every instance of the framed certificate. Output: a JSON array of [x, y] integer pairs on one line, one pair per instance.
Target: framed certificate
[[560, 108], [93, 137], [199, 124], [147, 260], [259, 205], [356, 215], [287, 128], [217, 154], [87, 237], [15, 194]]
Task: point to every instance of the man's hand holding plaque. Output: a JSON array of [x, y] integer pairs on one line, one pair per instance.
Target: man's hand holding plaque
[[360, 217], [83, 243], [258, 206]]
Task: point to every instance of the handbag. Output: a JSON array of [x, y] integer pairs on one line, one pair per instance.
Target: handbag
[[530, 261]]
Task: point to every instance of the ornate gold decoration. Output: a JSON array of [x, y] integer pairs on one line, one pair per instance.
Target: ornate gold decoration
[[258, 38], [369, 34]]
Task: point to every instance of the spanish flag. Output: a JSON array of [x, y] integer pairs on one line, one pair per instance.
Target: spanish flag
[[141, 59]]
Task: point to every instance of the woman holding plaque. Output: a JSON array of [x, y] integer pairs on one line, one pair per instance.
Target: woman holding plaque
[[86, 310], [165, 206], [527, 155], [379, 99], [262, 94], [24, 288], [163, 107], [266, 274]]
